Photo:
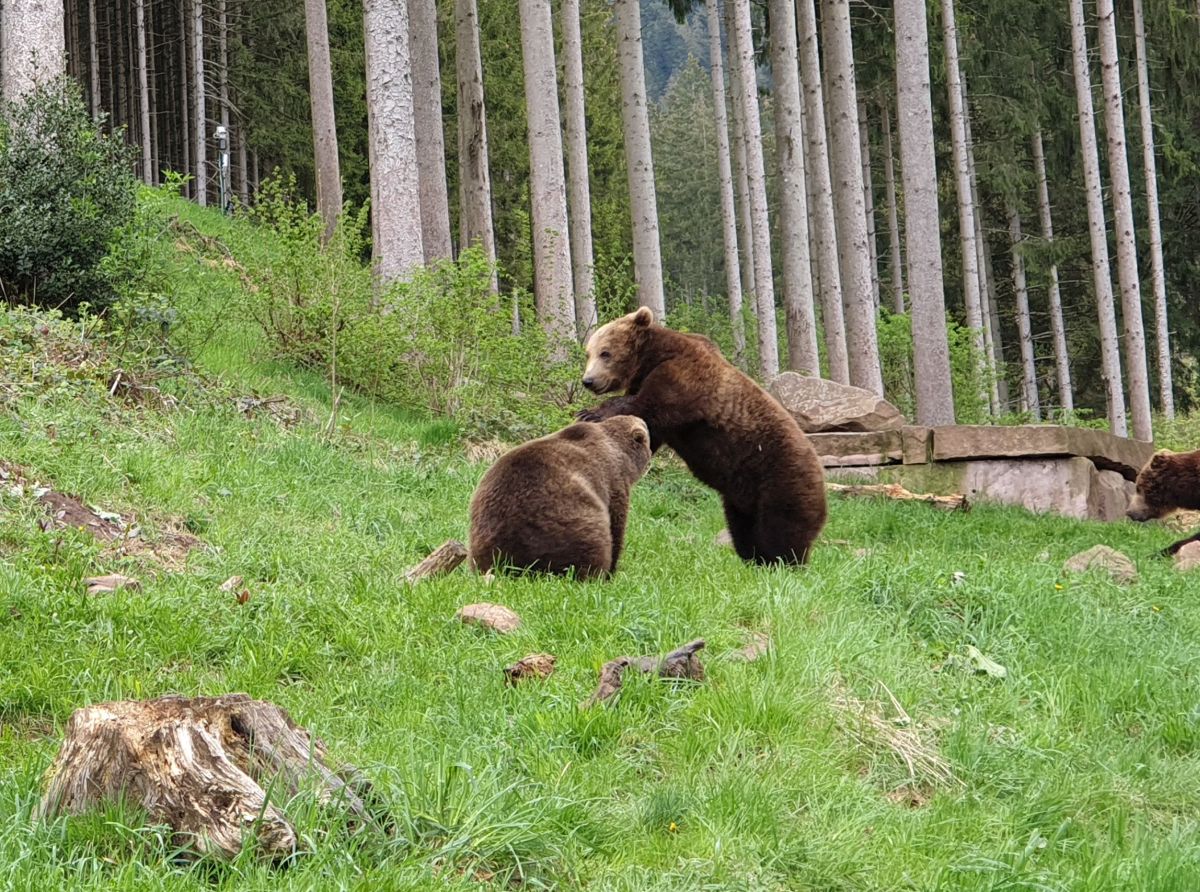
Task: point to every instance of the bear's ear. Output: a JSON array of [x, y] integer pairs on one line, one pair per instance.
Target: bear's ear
[[1159, 459], [643, 317]]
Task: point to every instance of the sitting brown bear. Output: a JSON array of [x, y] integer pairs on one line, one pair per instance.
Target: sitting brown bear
[[1171, 480], [559, 503], [729, 431]]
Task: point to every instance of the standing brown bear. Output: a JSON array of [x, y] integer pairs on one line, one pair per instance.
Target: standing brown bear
[[559, 503], [1170, 480], [733, 435]]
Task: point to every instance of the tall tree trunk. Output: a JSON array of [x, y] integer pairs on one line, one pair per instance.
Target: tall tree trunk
[[243, 167], [1158, 277], [895, 258], [156, 142], [741, 41], [395, 187], [143, 73], [822, 216], [475, 183], [814, 249], [864, 144], [741, 179], [547, 180], [803, 354], [431, 142], [1110, 359], [200, 120], [320, 91], [931, 354], [962, 181], [850, 215], [643, 203], [223, 166], [1024, 329], [992, 337], [93, 61], [120, 104], [1127, 271], [185, 108], [1061, 358], [578, 188], [733, 282]]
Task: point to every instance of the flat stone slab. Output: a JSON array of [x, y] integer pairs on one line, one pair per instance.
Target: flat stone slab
[[856, 449], [1108, 453]]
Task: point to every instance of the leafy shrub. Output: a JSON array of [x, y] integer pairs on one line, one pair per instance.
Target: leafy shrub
[[440, 342], [967, 372], [92, 360], [65, 188]]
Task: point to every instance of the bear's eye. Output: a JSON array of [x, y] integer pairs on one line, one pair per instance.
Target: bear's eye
[[604, 354]]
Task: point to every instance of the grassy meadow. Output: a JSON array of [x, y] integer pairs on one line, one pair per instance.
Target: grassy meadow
[[848, 758]]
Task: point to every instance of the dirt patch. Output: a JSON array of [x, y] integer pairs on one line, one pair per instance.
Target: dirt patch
[[122, 535], [910, 796]]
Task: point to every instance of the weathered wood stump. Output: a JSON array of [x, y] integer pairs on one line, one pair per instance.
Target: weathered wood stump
[[200, 765], [442, 560], [683, 662]]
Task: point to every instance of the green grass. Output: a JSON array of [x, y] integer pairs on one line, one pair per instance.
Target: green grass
[[1080, 770]]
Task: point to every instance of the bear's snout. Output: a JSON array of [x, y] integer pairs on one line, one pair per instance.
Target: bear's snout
[[1139, 509]]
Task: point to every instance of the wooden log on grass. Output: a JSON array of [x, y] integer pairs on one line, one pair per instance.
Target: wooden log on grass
[[956, 502], [444, 559], [201, 765], [683, 662]]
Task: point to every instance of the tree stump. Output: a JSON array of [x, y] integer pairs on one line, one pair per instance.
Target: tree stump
[[200, 765]]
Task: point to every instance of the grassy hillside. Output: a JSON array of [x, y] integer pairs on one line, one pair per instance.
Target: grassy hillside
[[1079, 770]]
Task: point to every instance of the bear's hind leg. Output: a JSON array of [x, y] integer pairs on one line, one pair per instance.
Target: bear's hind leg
[[781, 534], [1174, 547], [741, 530]]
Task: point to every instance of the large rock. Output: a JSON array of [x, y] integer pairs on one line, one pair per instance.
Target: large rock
[[1105, 560], [825, 406], [1109, 496]]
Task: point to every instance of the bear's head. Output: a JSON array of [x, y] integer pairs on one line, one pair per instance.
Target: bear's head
[[614, 352], [633, 436], [1153, 498]]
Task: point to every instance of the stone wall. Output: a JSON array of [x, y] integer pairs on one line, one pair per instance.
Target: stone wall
[[1075, 472]]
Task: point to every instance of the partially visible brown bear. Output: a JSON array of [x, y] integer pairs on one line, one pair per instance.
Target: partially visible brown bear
[[559, 503], [1171, 480], [733, 435]]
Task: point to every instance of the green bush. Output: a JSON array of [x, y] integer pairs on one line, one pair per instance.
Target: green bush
[[967, 373], [65, 189], [440, 342]]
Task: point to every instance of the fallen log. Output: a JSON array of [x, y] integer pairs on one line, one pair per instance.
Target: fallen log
[[202, 766], [682, 662], [443, 559], [956, 502]]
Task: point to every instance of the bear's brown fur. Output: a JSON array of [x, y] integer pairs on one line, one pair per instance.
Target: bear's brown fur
[[733, 435], [559, 503], [1170, 480]]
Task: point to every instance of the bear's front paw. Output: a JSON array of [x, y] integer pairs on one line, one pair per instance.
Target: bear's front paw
[[589, 415]]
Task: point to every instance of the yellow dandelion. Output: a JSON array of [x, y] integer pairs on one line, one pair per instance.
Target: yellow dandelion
[[1058, 586], [673, 827]]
